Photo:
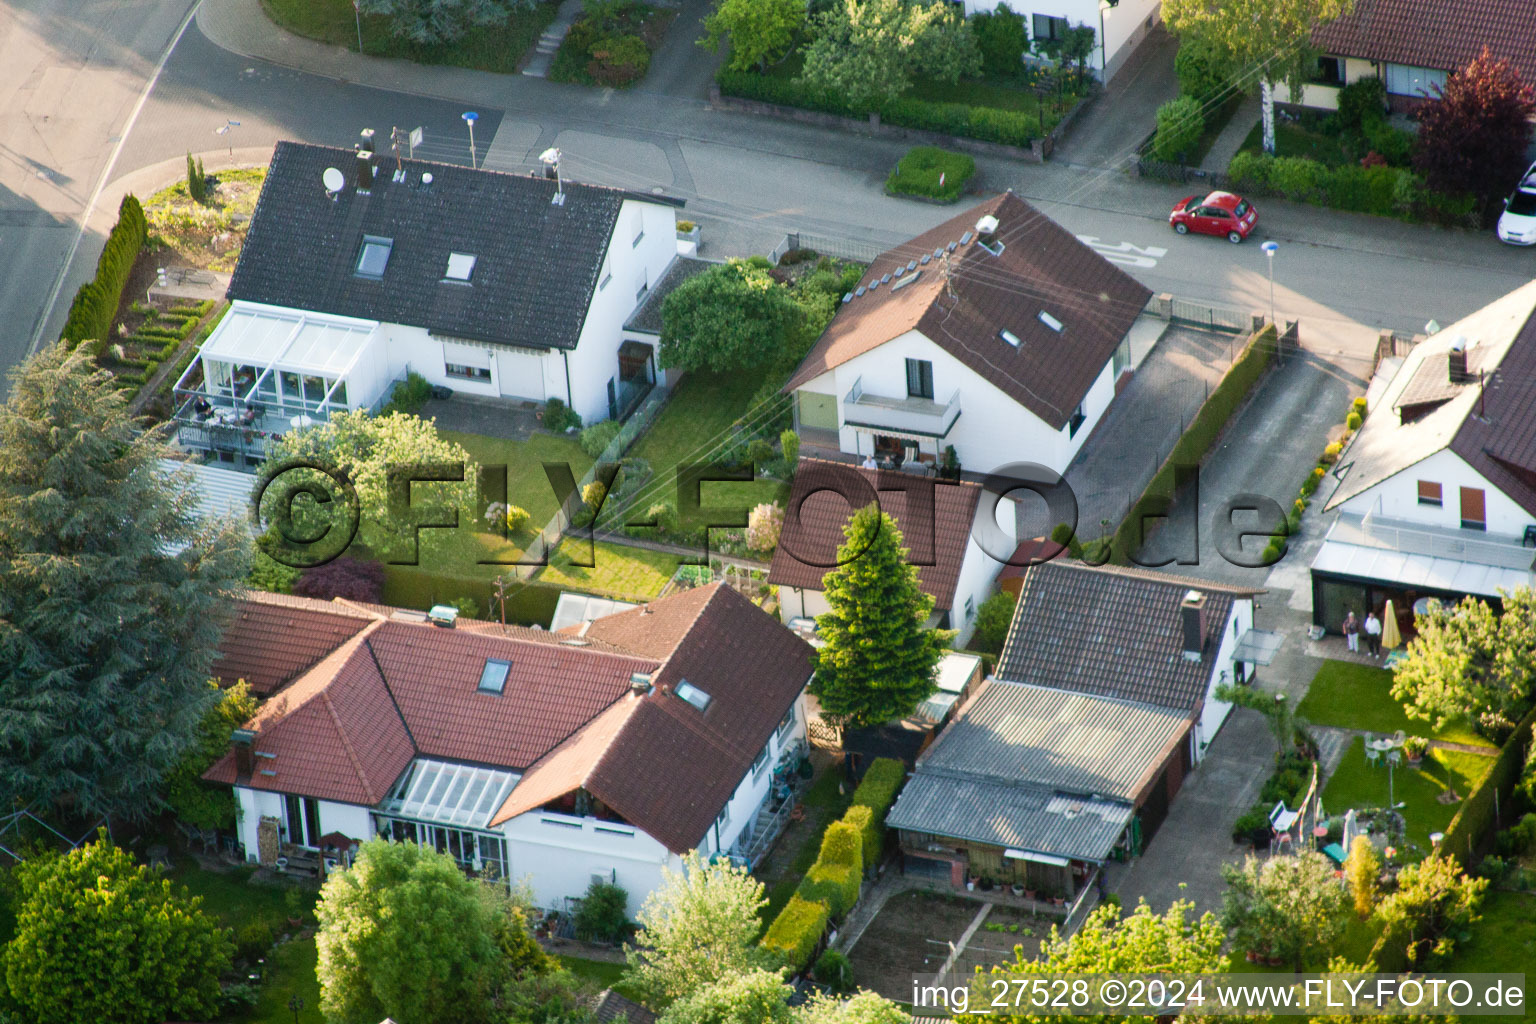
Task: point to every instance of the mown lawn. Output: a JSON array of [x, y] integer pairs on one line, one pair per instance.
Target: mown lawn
[[1351, 696], [1503, 942], [1358, 784], [796, 851], [600, 973], [1292, 139], [484, 48], [636, 574]]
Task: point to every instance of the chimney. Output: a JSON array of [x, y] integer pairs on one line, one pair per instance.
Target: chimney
[[244, 742], [364, 171], [640, 684], [443, 616], [1192, 614], [367, 144], [1457, 360]]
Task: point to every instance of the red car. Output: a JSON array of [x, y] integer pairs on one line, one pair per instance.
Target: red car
[[1220, 213]]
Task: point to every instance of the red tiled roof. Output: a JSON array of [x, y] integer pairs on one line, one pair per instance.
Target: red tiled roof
[[273, 638], [652, 630], [347, 728], [1043, 268], [1440, 34], [816, 533]]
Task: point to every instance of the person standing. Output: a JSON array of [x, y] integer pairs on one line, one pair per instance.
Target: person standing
[[1373, 634], [1352, 632]]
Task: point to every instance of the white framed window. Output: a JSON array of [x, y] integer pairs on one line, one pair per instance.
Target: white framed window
[[786, 723], [724, 818], [645, 286], [760, 762], [373, 257], [462, 372]]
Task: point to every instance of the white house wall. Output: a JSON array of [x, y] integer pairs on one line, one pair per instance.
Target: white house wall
[[1399, 497], [992, 430], [251, 805], [1123, 26], [752, 791], [558, 854], [1215, 712]]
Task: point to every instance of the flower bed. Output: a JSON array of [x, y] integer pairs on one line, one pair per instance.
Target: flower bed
[[612, 46]]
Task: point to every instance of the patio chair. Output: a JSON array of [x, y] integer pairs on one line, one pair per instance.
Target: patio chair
[[1372, 755]]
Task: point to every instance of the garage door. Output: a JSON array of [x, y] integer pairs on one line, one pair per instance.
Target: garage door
[[520, 375]]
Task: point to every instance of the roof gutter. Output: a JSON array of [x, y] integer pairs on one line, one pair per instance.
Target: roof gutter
[[566, 359]]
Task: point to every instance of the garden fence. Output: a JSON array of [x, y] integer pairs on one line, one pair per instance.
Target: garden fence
[[862, 252]]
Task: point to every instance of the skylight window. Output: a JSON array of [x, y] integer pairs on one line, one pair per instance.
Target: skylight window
[[493, 678], [374, 256], [1050, 321], [460, 266], [693, 695], [1009, 337]]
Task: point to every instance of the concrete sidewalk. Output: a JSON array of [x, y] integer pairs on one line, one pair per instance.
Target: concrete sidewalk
[[1232, 136]]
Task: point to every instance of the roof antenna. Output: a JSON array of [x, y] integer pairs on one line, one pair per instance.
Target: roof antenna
[[949, 287], [396, 136], [550, 158]]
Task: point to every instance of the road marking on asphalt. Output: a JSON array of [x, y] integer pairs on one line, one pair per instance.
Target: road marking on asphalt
[[1125, 253]]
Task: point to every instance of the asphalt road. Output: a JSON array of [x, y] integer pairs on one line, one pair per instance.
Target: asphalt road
[[747, 180]]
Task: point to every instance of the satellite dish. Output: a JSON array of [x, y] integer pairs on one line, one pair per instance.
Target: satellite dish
[[334, 180], [550, 156], [426, 179]]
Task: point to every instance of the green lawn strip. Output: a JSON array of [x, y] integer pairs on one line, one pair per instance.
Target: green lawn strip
[[824, 803], [1295, 140], [1358, 784], [620, 571], [484, 48], [1347, 695], [920, 171], [1503, 942], [600, 973], [1215, 123], [290, 972]]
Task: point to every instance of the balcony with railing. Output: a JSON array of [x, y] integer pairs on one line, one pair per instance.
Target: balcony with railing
[[921, 416], [1405, 536]]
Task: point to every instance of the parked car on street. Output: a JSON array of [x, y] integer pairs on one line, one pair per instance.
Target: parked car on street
[[1517, 224], [1220, 213]]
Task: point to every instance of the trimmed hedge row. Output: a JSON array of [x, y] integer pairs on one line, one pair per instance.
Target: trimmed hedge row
[[1380, 189], [1196, 441], [95, 305], [990, 124], [841, 844], [877, 792], [795, 933], [835, 884], [1474, 821]]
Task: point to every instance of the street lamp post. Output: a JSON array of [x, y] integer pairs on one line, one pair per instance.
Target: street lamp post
[[1270, 248], [470, 117], [357, 15], [224, 129]]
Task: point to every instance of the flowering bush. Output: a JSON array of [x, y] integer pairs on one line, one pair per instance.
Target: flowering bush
[[764, 525]]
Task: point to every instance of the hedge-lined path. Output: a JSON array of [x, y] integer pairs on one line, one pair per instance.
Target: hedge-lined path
[[1232, 136]]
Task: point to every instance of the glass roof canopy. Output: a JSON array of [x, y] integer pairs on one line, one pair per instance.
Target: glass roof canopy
[[449, 794], [312, 343]]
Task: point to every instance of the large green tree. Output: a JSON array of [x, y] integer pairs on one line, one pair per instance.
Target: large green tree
[[190, 798], [868, 51], [1256, 41], [432, 22], [364, 448], [1434, 905], [878, 661], [738, 997], [699, 924], [759, 31], [404, 934], [1110, 942], [731, 317], [1468, 661], [1473, 136], [113, 590], [98, 938], [1287, 907]]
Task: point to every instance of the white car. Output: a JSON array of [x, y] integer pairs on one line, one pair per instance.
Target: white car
[[1517, 224]]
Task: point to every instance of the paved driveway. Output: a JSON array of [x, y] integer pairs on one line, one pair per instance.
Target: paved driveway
[[1106, 134]]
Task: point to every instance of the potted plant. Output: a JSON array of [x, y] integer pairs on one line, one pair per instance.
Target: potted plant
[[970, 883], [1018, 890], [1415, 747]]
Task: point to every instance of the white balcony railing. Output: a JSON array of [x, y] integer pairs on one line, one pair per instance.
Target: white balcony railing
[[903, 415], [1404, 535]]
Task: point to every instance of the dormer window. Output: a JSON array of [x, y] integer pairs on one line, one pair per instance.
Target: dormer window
[[693, 695], [493, 677], [374, 257], [461, 265]]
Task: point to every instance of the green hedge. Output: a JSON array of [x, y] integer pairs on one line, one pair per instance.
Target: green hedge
[[1473, 825], [918, 174], [877, 791], [1196, 441], [863, 819], [796, 932], [841, 844], [1381, 190], [95, 305], [990, 124], [835, 884]]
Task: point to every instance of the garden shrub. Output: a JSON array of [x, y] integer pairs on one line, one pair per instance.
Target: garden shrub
[[882, 781], [618, 61], [835, 884], [94, 306], [1002, 40], [795, 933], [1251, 825], [1199, 69], [1352, 421], [1362, 103], [409, 395], [863, 819], [252, 940], [841, 844], [1394, 144], [760, 453], [918, 173], [789, 448], [1250, 170], [834, 970], [602, 916], [516, 518], [593, 494], [764, 524], [1297, 178], [1520, 838], [1064, 536], [1180, 123], [992, 621], [346, 577], [559, 417], [596, 438]]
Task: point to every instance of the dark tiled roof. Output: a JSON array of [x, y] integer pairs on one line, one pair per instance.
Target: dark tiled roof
[[1498, 439], [647, 319], [609, 1007], [1042, 268], [1441, 34], [536, 264], [273, 638], [348, 727], [1113, 632], [817, 531]]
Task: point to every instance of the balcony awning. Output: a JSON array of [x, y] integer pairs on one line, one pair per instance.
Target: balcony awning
[[1257, 647], [311, 343], [905, 435], [1416, 571]]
